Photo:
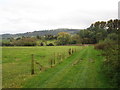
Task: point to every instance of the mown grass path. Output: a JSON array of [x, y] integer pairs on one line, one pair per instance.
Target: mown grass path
[[86, 73]]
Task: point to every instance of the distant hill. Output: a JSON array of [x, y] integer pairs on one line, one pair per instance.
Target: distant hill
[[41, 33]]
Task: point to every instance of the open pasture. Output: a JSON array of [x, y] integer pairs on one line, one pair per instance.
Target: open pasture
[[82, 69], [16, 61]]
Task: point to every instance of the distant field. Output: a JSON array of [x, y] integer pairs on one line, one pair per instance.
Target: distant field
[[80, 70]]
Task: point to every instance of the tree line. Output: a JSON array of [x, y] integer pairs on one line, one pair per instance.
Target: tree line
[[97, 32], [109, 44]]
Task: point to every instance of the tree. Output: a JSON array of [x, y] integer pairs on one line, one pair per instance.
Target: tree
[[63, 38], [38, 37], [112, 36], [102, 24], [87, 36], [25, 42], [75, 39]]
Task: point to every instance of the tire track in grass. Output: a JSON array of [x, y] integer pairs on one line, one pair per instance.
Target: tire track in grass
[[59, 77], [85, 74], [71, 77], [89, 77], [43, 78], [81, 77], [68, 78]]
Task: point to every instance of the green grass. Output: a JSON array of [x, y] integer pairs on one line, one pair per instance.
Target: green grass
[[86, 73], [16, 62]]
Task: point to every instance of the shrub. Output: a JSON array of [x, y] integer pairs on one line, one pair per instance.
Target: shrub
[[50, 44], [41, 44], [111, 66], [25, 42], [101, 46], [7, 44]]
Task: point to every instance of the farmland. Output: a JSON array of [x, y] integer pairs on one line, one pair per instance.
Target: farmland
[[82, 69], [17, 62]]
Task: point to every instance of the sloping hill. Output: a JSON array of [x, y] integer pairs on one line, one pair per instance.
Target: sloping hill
[[41, 33]]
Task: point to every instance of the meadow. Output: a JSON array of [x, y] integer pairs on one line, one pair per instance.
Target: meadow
[[16, 61], [82, 69]]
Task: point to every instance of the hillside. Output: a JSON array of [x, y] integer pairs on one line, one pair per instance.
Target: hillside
[[41, 33]]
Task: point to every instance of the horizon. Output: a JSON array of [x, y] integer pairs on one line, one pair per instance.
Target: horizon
[[41, 30], [36, 15]]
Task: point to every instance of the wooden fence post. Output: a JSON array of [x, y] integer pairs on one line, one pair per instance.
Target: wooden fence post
[[40, 66], [72, 50], [69, 51], [32, 65]]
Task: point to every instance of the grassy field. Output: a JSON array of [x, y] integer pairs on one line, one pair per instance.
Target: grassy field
[[16, 62], [80, 70]]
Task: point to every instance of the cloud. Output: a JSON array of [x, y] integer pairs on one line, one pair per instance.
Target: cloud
[[29, 15]]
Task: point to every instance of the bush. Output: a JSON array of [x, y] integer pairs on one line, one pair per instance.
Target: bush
[[101, 46], [41, 44], [7, 44], [25, 42], [111, 66], [50, 44]]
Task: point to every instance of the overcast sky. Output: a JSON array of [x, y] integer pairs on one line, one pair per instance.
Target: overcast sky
[[18, 16]]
